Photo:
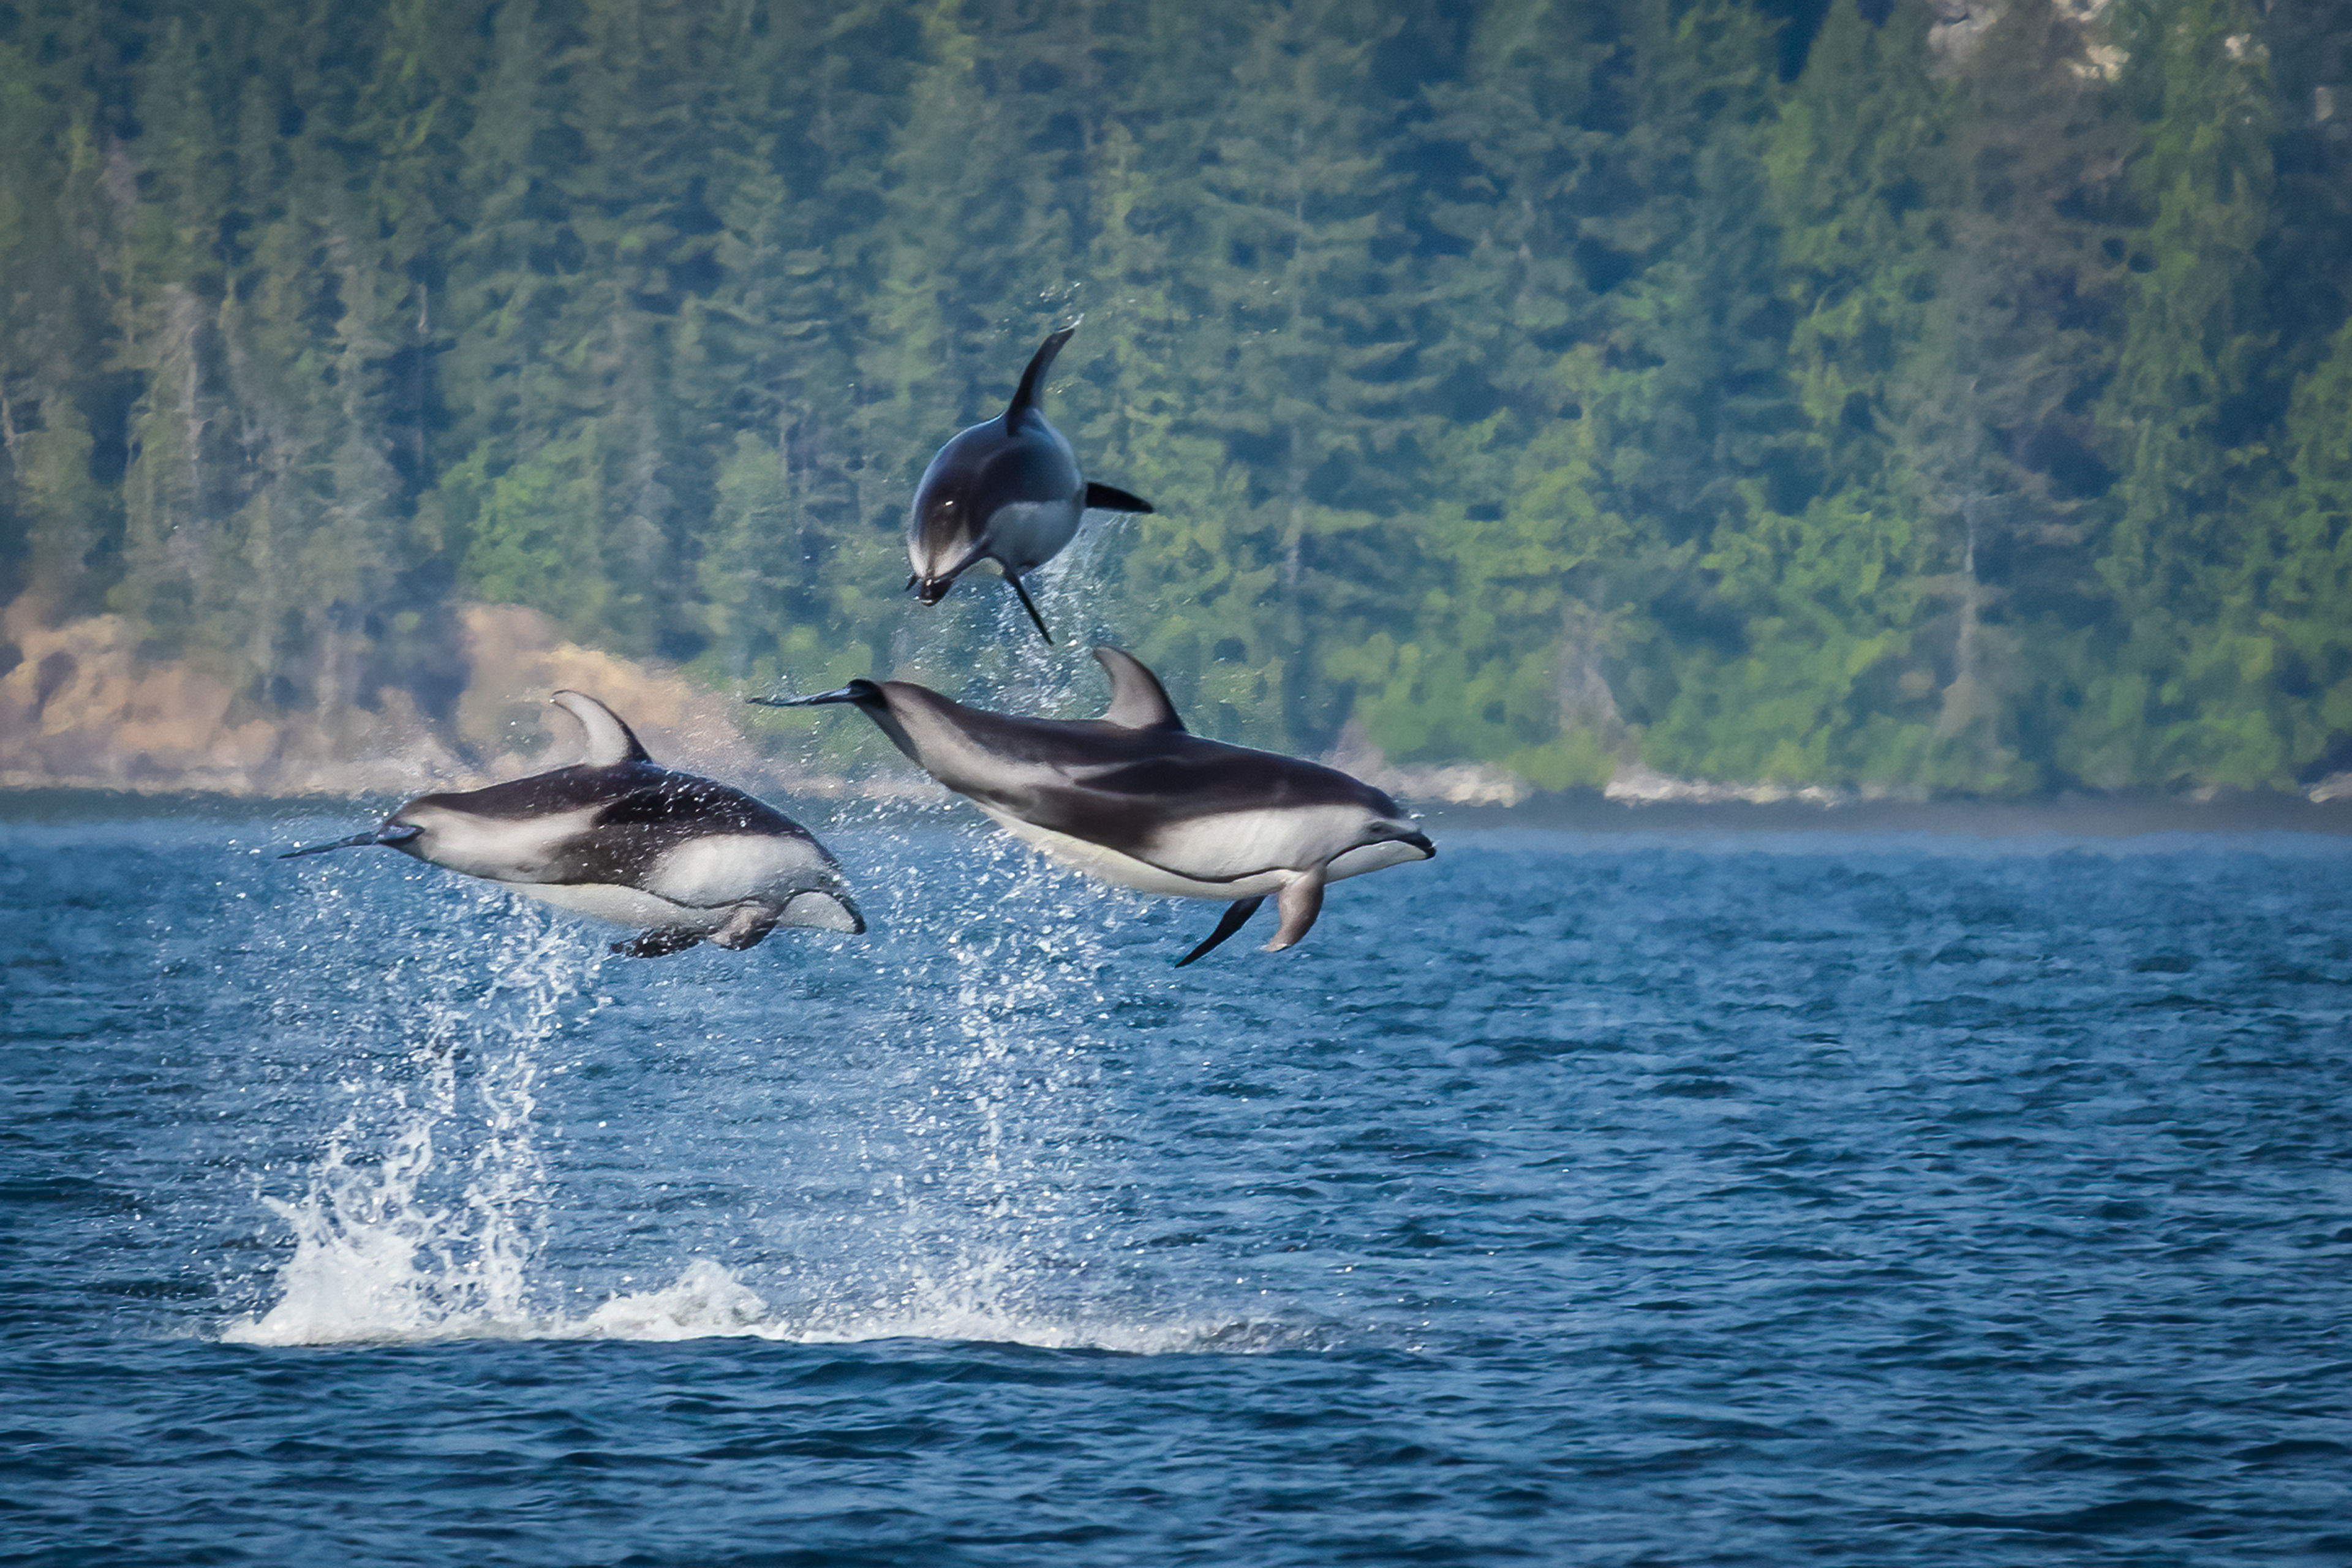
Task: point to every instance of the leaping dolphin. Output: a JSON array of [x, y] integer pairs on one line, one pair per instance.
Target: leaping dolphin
[[623, 840], [1008, 491], [1133, 798]]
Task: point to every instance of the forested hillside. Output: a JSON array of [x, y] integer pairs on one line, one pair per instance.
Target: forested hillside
[[1871, 395]]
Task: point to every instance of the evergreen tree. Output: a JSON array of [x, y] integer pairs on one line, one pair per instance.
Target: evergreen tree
[[1496, 654], [2166, 701], [1858, 161], [60, 517], [1698, 435], [1997, 411], [2285, 638], [1301, 359]]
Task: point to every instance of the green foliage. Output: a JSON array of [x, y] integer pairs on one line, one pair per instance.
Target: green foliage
[[1543, 382], [2172, 710], [2285, 651]]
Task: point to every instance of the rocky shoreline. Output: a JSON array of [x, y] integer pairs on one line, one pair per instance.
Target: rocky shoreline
[[82, 709]]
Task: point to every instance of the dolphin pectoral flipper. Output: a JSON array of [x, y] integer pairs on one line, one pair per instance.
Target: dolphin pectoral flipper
[[746, 926], [822, 911], [1111, 497], [1237, 916], [1028, 604], [1301, 902], [663, 941]]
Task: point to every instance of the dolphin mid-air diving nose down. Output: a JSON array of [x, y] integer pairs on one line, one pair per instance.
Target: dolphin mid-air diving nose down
[[1133, 798], [1007, 491], [620, 839]]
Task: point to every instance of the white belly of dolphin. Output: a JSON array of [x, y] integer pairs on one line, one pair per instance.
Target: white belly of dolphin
[[1236, 843], [816, 908], [1370, 858], [1029, 533], [727, 867], [622, 906], [1127, 871]]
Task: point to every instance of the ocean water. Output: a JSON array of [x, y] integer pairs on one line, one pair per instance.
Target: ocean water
[[1605, 1199]]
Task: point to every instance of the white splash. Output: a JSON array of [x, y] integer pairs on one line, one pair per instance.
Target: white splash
[[706, 1301], [383, 1249]]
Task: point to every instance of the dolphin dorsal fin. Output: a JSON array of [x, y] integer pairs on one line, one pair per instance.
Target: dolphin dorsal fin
[[610, 741], [1033, 380], [1138, 702]]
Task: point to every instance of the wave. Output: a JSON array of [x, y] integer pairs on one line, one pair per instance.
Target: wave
[[706, 1301]]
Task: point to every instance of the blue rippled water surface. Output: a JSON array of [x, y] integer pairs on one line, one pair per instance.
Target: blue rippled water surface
[[1569, 1199]]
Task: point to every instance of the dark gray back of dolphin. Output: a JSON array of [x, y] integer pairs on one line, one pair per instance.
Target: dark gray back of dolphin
[[1008, 489]]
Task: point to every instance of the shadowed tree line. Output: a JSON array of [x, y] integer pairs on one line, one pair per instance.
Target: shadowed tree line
[[1763, 393]]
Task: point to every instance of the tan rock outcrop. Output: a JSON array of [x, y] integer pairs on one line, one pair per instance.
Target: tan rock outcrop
[[85, 707]]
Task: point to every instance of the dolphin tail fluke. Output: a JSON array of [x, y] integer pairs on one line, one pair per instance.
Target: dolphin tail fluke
[[391, 836], [1111, 497], [1033, 380], [746, 926], [1029, 605], [1302, 901], [1237, 916]]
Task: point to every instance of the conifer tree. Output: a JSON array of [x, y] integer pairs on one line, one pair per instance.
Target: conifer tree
[[1858, 166], [60, 520], [1496, 653], [796, 582], [1303, 363], [2291, 600], [1698, 437], [2173, 414]]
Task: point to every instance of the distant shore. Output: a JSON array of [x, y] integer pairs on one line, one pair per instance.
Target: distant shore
[[2085, 817], [91, 726], [2080, 815]]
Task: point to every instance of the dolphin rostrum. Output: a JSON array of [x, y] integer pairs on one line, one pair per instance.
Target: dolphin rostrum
[[1133, 798], [1008, 489], [620, 839]]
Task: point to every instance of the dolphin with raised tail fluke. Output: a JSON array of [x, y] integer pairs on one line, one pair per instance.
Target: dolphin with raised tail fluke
[[618, 837], [1133, 798], [1008, 489]]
